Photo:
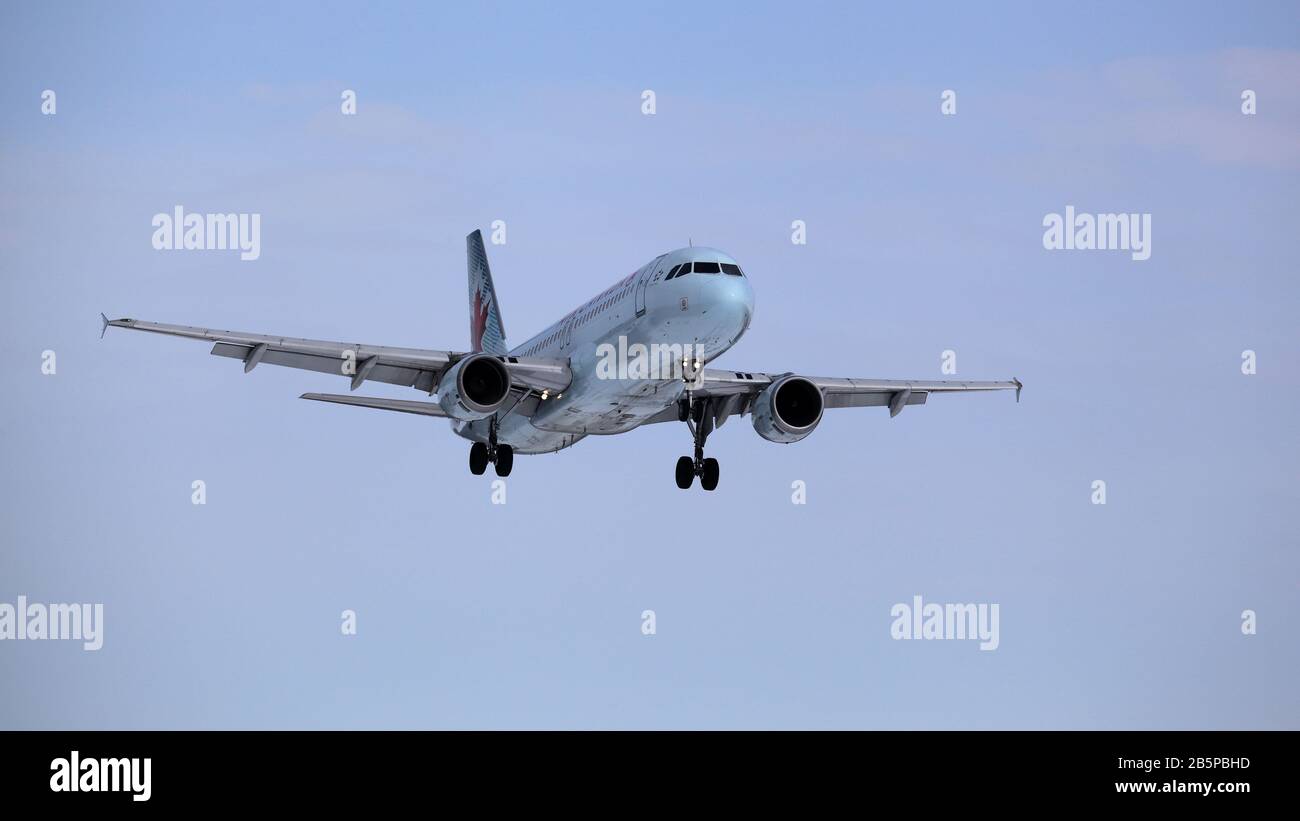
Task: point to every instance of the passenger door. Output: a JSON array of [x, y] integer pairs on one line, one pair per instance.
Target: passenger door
[[646, 274]]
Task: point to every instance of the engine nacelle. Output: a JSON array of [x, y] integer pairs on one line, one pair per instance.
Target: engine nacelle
[[474, 388], [788, 409]]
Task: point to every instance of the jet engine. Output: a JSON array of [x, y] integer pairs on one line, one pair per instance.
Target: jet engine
[[788, 409], [474, 388]]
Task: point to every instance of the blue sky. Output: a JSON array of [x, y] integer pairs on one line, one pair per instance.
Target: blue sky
[[924, 234]]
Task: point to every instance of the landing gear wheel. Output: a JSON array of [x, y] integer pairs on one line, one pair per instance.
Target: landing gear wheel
[[505, 459], [709, 474], [685, 472], [478, 458], [698, 416]]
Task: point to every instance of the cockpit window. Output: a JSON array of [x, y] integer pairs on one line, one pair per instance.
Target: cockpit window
[[733, 269], [672, 273], [706, 267], [685, 269]]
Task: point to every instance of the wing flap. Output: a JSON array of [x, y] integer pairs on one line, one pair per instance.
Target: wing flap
[[379, 372], [870, 400]]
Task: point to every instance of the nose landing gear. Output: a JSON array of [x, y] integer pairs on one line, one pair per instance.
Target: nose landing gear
[[698, 417], [502, 456]]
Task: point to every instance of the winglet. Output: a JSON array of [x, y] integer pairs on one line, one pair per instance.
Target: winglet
[[104, 329], [1018, 388]]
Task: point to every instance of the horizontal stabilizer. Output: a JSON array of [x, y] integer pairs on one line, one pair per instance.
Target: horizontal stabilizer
[[399, 405]]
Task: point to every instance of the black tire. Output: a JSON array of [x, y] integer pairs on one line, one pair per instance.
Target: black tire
[[505, 459], [478, 458], [709, 478], [685, 472]]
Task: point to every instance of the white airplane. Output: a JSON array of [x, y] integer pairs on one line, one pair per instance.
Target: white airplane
[[633, 355]]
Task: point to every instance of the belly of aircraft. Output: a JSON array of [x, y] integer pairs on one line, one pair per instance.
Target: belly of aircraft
[[607, 408]]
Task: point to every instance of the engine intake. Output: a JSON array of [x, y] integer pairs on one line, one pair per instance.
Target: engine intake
[[474, 388], [788, 410]]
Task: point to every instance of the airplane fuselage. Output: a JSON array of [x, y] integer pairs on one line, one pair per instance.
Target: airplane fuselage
[[704, 312]]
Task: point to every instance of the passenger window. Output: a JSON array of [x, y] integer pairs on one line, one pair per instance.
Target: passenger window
[[734, 270], [706, 267]]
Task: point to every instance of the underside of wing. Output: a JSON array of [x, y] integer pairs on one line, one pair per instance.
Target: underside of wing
[[896, 394], [417, 368], [728, 393], [380, 403], [843, 392]]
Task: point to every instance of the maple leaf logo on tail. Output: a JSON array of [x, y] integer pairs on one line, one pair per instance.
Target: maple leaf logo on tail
[[487, 333], [477, 322]]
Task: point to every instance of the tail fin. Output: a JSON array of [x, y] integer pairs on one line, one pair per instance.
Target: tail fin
[[486, 332]]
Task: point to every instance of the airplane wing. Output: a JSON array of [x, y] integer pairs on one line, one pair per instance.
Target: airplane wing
[[410, 367], [734, 392], [399, 405]]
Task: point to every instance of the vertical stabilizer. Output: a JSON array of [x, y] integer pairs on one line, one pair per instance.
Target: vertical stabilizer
[[486, 331]]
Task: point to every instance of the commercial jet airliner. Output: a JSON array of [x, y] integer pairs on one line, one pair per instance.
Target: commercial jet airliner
[[632, 355]]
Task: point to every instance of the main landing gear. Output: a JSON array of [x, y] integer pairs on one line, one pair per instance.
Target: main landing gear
[[699, 420], [503, 456]]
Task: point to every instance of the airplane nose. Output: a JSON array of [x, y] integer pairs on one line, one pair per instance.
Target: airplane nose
[[735, 298]]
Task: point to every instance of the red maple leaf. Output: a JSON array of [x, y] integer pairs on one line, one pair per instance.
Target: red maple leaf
[[478, 322]]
